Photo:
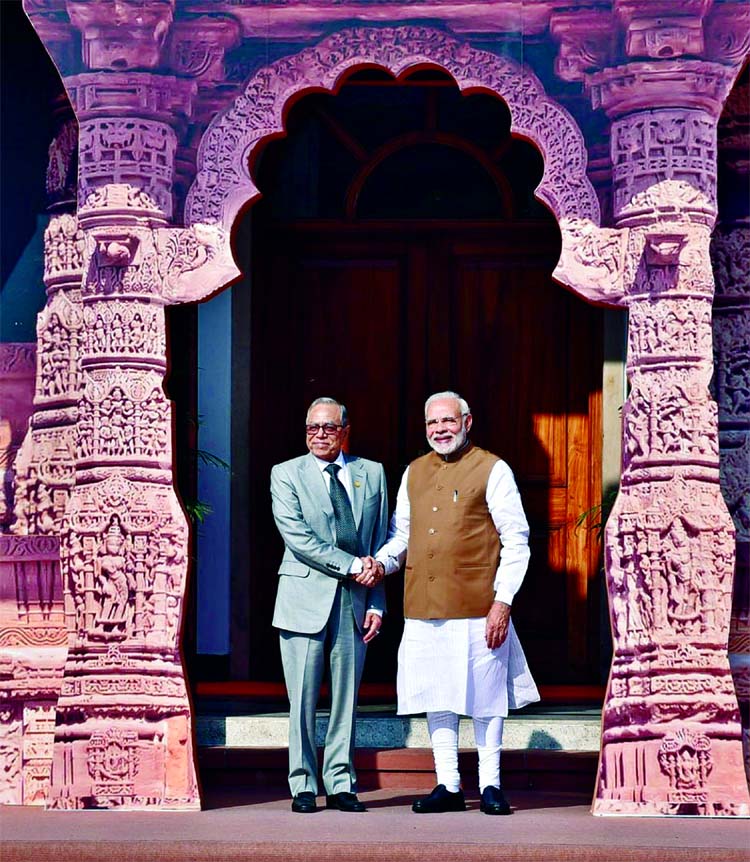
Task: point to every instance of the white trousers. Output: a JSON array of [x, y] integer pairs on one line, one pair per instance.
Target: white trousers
[[488, 735]]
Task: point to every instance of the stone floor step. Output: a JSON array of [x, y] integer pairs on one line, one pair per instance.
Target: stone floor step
[[242, 725], [534, 769]]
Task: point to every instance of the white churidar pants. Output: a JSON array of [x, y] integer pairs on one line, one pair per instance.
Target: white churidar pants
[[488, 734]]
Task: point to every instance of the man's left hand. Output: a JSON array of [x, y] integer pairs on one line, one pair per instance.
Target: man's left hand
[[497, 624], [372, 625]]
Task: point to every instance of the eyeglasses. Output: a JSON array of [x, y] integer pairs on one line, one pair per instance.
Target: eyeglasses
[[329, 429], [450, 421]]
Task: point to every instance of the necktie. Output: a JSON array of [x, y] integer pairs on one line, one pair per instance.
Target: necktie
[[346, 530]]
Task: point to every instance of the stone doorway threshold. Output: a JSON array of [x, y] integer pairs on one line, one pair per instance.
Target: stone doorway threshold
[[240, 824], [240, 723]]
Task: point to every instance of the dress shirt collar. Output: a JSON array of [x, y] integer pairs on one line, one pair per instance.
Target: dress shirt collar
[[341, 461]]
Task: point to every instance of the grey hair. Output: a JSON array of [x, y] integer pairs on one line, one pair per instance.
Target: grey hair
[[344, 414], [439, 396]]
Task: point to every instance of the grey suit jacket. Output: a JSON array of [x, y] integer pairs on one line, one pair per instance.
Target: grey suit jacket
[[312, 564]]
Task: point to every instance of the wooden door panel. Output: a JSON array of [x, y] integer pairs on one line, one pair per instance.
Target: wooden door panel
[[512, 327], [524, 360], [321, 326], [381, 322], [351, 348], [539, 609]]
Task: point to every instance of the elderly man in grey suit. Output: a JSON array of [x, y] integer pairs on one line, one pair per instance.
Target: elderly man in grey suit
[[332, 512]]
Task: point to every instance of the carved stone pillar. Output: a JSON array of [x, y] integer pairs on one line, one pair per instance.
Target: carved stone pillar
[[671, 734], [731, 328], [124, 736], [44, 466], [18, 373]]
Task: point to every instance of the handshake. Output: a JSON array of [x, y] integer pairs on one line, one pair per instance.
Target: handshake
[[372, 572]]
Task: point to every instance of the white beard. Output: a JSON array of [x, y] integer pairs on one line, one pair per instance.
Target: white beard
[[459, 439]]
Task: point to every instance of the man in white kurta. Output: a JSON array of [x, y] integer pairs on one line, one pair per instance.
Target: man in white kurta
[[459, 654]]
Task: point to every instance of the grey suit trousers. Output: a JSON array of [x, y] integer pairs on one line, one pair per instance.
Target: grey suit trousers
[[303, 659]]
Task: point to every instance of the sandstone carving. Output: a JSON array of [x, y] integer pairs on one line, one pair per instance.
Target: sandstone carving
[[93, 474]]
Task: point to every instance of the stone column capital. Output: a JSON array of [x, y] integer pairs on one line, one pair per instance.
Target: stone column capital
[[586, 39], [597, 40], [121, 34], [661, 84], [148, 96]]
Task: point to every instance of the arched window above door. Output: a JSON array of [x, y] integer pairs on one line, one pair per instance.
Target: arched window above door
[[381, 149]]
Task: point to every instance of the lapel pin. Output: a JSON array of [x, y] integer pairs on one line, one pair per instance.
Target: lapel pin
[[356, 484]]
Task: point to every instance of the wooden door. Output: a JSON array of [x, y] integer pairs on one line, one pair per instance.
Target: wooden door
[[381, 315]]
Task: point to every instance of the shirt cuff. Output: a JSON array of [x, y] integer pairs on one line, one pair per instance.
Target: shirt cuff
[[504, 596], [390, 564], [356, 566], [375, 611]]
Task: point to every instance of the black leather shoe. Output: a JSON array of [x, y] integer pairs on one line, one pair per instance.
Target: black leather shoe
[[493, 801], [304, 803], [344, 802], [440, 800]]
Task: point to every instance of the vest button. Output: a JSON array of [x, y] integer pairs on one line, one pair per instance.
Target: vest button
[[430, 555], [432, 531], [439, 487], [434, 508], [431, 578]]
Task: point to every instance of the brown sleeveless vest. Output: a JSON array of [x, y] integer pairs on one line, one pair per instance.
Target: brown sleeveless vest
[[454, 548]]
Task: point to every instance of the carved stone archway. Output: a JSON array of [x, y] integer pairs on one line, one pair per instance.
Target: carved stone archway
[[671, 735], [224, 185], [669, 544]]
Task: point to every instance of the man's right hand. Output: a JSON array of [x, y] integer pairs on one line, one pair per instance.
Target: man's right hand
[[372, 572]]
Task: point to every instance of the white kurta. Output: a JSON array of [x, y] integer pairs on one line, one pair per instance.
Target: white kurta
[[445, 664]]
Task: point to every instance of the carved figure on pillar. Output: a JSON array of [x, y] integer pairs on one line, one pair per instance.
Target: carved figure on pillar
[[32, 626], [671, 739], [124, 735]]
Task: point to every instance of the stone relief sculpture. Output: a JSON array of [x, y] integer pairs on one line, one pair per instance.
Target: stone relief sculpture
[[95, 468]]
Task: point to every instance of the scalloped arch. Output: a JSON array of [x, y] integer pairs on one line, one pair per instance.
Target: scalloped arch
[[223, 184]]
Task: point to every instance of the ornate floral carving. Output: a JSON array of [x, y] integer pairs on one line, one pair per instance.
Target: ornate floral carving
[[223, 183], [593, 260]]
